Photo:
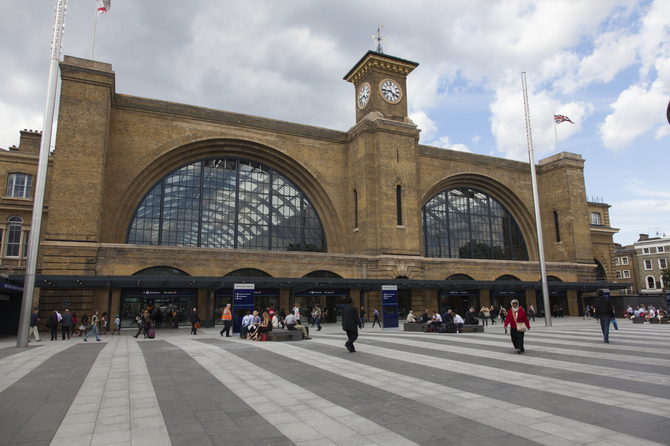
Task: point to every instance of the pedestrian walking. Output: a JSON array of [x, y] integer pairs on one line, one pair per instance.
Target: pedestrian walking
[[52, 324], [605, 313], [317, 318], [375, 316], [351, 322], [103, 323], [194, 319], [117, 326], [227, 318], [33, 326], [361, 314], [83, 324], [518, 322], [66, 324], [140, 321], [531, 312], [94, 327]]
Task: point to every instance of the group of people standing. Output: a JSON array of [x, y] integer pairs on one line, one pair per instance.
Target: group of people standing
[[71, 326]]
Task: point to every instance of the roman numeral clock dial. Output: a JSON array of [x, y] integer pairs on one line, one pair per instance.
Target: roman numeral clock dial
[[390, 91]]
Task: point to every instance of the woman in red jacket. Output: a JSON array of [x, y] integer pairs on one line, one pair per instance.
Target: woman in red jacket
[[518, 322]]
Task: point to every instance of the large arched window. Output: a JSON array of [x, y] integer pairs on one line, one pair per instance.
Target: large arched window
[[469, 224], [227, 203]]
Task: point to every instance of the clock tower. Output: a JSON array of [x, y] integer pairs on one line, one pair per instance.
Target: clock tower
[[383, 161], [380, 82]]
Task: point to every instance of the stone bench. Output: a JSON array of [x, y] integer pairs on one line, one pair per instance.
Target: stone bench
[[285, 335], [413, 326], [472, 329]]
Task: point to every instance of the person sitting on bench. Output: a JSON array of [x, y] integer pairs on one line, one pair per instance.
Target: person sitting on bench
[[458, 320], [435, 322], [470, 317], [293, 324], [411, 317]]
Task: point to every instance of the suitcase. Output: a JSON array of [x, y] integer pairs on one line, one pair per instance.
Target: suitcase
[[151, 334]]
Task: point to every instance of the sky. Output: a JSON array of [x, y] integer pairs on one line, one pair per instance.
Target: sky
[[603, 64]]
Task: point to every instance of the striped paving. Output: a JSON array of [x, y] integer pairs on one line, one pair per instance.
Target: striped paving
[[569, 388]]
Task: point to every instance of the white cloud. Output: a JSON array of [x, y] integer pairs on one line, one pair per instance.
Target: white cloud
[[637, 110], [444, 143], [508, 122]]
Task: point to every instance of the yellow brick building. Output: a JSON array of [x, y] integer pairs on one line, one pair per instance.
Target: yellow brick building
[[141, 189]]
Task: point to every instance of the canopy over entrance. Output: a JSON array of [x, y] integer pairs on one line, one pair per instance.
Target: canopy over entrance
[[301, 284]]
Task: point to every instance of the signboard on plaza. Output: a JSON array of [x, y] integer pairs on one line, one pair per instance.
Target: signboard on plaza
[[390, 307]]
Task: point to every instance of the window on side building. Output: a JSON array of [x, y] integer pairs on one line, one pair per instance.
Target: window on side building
[[13, 242], [624, 260], [19, 185], [662, 263], [595, 218], [648, 265], [651, 283]]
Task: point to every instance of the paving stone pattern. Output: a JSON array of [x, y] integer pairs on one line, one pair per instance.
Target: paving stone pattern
[[568, 388]]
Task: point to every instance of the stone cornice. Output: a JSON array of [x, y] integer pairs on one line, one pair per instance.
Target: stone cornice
[[373, 59], [224, 117]]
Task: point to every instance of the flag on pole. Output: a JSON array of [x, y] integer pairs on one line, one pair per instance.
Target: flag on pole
[[103, 6], [560, 118]]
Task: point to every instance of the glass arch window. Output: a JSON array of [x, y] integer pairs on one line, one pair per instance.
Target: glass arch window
[[227, 203], [469, 224]]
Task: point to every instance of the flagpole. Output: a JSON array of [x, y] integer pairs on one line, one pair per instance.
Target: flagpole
[[40, 182], [536, 203], [555, 132], [95, 24]]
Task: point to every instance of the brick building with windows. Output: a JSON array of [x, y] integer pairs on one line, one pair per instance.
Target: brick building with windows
[[652, 257], [163, 205]]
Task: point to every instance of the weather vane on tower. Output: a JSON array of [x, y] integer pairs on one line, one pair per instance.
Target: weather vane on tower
[[379, 39]]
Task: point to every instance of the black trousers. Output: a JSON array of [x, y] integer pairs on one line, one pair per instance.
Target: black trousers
[[517, 338], [352, 335], [66, 332], [226, 326], [54, 332]]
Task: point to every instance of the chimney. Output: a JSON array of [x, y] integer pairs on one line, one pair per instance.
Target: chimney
[[30, 141], [643, 237]]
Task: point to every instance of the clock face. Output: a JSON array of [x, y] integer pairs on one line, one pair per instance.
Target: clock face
[[364, 95], [390, 91]]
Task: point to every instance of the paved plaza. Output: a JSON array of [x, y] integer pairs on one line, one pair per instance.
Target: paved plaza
[[399, 388]]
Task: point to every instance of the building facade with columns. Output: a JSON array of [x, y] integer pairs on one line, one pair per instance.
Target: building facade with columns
[[141, 188]]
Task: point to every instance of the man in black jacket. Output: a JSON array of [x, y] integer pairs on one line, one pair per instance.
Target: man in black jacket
[[351, 322], [470, 317], [604, 312], [33, 326], [66, 324]]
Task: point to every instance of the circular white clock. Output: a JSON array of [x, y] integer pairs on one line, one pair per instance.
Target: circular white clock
[[390, 91], [364, 95]]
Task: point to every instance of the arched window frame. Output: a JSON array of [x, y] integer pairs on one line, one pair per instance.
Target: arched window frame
[[16, 238], [483, 241], [650, 281], [266, 229]]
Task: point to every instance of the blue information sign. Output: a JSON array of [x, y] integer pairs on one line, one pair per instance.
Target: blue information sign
[[243, 301], [390, 306]]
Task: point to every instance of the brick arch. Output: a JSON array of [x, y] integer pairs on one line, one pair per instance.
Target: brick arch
[[522, 214], [602, 260], [173, 154]]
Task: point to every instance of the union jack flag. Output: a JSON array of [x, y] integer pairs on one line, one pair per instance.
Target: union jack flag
[[103, 6], [561, 118]]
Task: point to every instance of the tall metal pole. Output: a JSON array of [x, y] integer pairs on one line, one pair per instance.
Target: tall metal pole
[[555, 131], [536, 203], [40, 183], [95, 24]]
